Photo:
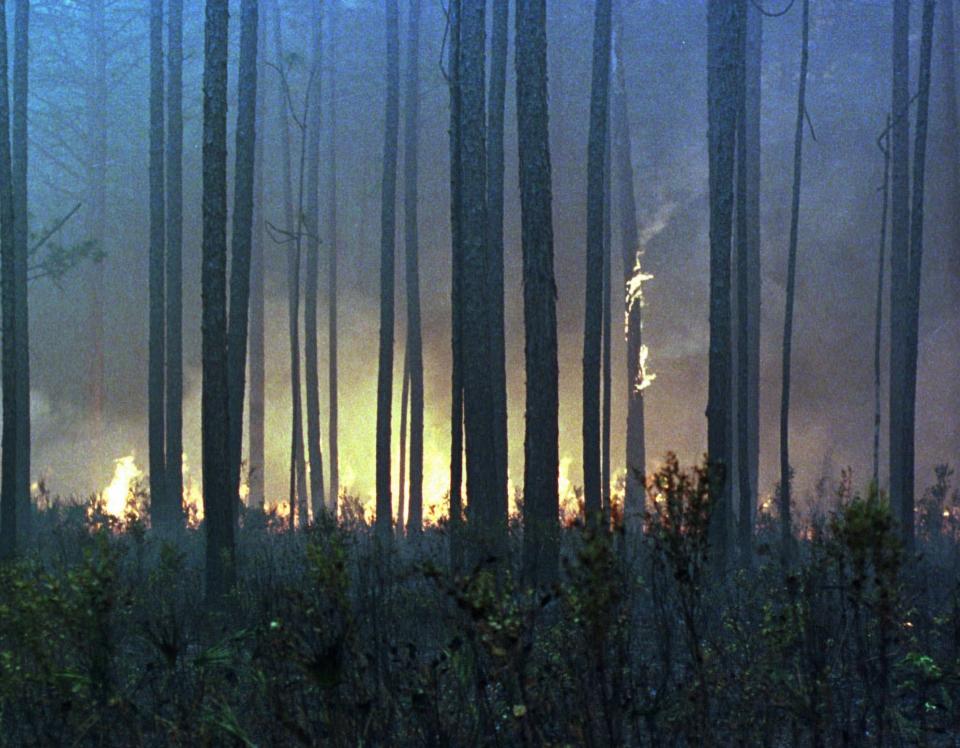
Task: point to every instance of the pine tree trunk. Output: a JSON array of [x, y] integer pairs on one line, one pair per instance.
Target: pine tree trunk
[[402, 481], [878, 316], [607, 374], [541, 426], [456, 291], [332, 269], [723, 21], [173, 420], [629, 241], [899, 254], [916, 266], [217, 499], [742, 380], [9, 535], [256, 434], [486, 501], [311, 223], [21, 64], [497, 98], [242, 236], [786, 531], [388, 220], [593, 315], [156, 359], [414, 347]]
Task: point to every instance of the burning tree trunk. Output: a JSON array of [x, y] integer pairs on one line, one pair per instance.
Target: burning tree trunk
[[21, 230], [217, 498], [174, 236], [242, 238], [899, 258], [414, 349], [156, 432], [723, 24], [332, 277], [915, 267], [255, 465], [388, 220], [630, 241], [593, 316], [497, 98], [9, 536], [486, 500], [541, 430], [456, 291], [311, 225], [786, 533]]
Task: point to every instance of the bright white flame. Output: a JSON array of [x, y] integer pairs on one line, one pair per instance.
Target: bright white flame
[[125, 475], [645, 377]]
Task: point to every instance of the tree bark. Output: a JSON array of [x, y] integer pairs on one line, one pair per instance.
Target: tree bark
[[541, 424], [414, 348], [173, 420], [311, 224], [388, 220], [786, 531], [878, 317], [242, 236], [218, 501], [9, 535], [495, 166], [402, 481], [160, 505], [593, 315], [607, 375], [630, 241], [723, 21]]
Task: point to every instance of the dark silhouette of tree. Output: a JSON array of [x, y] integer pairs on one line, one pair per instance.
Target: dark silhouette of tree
[[242, 237], [21, 236], [723, 36], [312, 228], [541, 423], [9, 536], [257, 357], [914, 276], [786, 533], [217, 498], [156, 359], [500, 22], [388, 220], [404, 403], [332, 248], [173, 420], [629, 244], [884, 143], [593, 315], [487, 502], [456, 288], [606, 381], [413, 357]]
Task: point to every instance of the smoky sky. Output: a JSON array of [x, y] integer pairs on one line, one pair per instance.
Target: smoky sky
[[663, 49]]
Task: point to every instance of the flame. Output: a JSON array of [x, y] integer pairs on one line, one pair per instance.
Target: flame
[[119, 492]]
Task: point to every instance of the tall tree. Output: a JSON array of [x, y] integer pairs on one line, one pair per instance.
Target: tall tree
[[388, 220], [9, 537], [242, 237], [257, 357], [786, 533], [487, 502], [878, 315], [157, 358], [217, 498], [21, 231], [404, 403], [541, 424], [629, 246], [606, 382], [332, 268], [312, 228], [899, 256], [500, 23], [456, 287], [914, 270], [411, 240], [723, 29], [593, 315], [173, 420]]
